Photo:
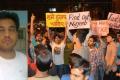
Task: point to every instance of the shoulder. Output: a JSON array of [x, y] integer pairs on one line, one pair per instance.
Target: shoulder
[[21, 55], [31, 78], [52, 43], [63, 43], [65, 77], [54, 78], [114, 46]]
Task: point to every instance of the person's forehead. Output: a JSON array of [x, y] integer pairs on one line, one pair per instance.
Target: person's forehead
[[90, 39], [109, 36], [6, 22], [57, 37], [38, 34], [76, 70]]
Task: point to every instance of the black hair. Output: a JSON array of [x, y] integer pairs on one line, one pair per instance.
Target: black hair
[[95, 38], [43, 60], [57, 35], [10, 15], [38, 48], [112, 35], [37, 34], [81, 34], [77, 61]]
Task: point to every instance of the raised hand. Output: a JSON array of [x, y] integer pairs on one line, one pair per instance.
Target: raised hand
[[32, 17]]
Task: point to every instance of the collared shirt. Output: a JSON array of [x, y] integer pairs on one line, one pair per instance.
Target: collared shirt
[[111, 54]]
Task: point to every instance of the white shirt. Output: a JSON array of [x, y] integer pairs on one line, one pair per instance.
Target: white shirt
[[58, 52], [14, 69], [83, 52], [44, 78]]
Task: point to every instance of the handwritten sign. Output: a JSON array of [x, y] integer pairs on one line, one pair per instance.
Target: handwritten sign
[[100, 27], [56, 19], [78, 20], [114, 20]]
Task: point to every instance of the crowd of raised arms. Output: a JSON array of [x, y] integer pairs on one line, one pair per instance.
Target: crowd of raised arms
[[91, 57]]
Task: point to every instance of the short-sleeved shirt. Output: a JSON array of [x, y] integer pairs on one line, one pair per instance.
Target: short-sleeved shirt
[[58, 52], [45, 78], [14, 69], [67, 77]]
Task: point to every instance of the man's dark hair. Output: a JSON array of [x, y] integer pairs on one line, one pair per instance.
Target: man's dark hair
[[37, 34], [44, 60], [10, 15], [57, 35], [81, 34], [95, 38], [112, 35], [77, 61]]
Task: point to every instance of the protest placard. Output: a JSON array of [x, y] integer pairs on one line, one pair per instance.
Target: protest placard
[[56, 19], [78, 20], [114, 20], [100, 27]]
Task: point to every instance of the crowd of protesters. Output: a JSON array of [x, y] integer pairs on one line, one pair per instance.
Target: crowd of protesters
[[94, 57]]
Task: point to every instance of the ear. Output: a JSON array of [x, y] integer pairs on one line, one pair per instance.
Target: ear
[[51, 64], [70, 66], [113, 39], [83, 71]]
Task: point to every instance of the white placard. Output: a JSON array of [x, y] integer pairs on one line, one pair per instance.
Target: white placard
[[100, 27], [114, 20], [78, 20]]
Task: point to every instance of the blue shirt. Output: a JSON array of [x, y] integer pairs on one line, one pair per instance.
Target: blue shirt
[[67, 77]]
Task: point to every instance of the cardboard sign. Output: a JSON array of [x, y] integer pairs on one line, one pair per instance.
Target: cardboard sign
[[56, 19], [100, 27], [78, 20], [114, 20]]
